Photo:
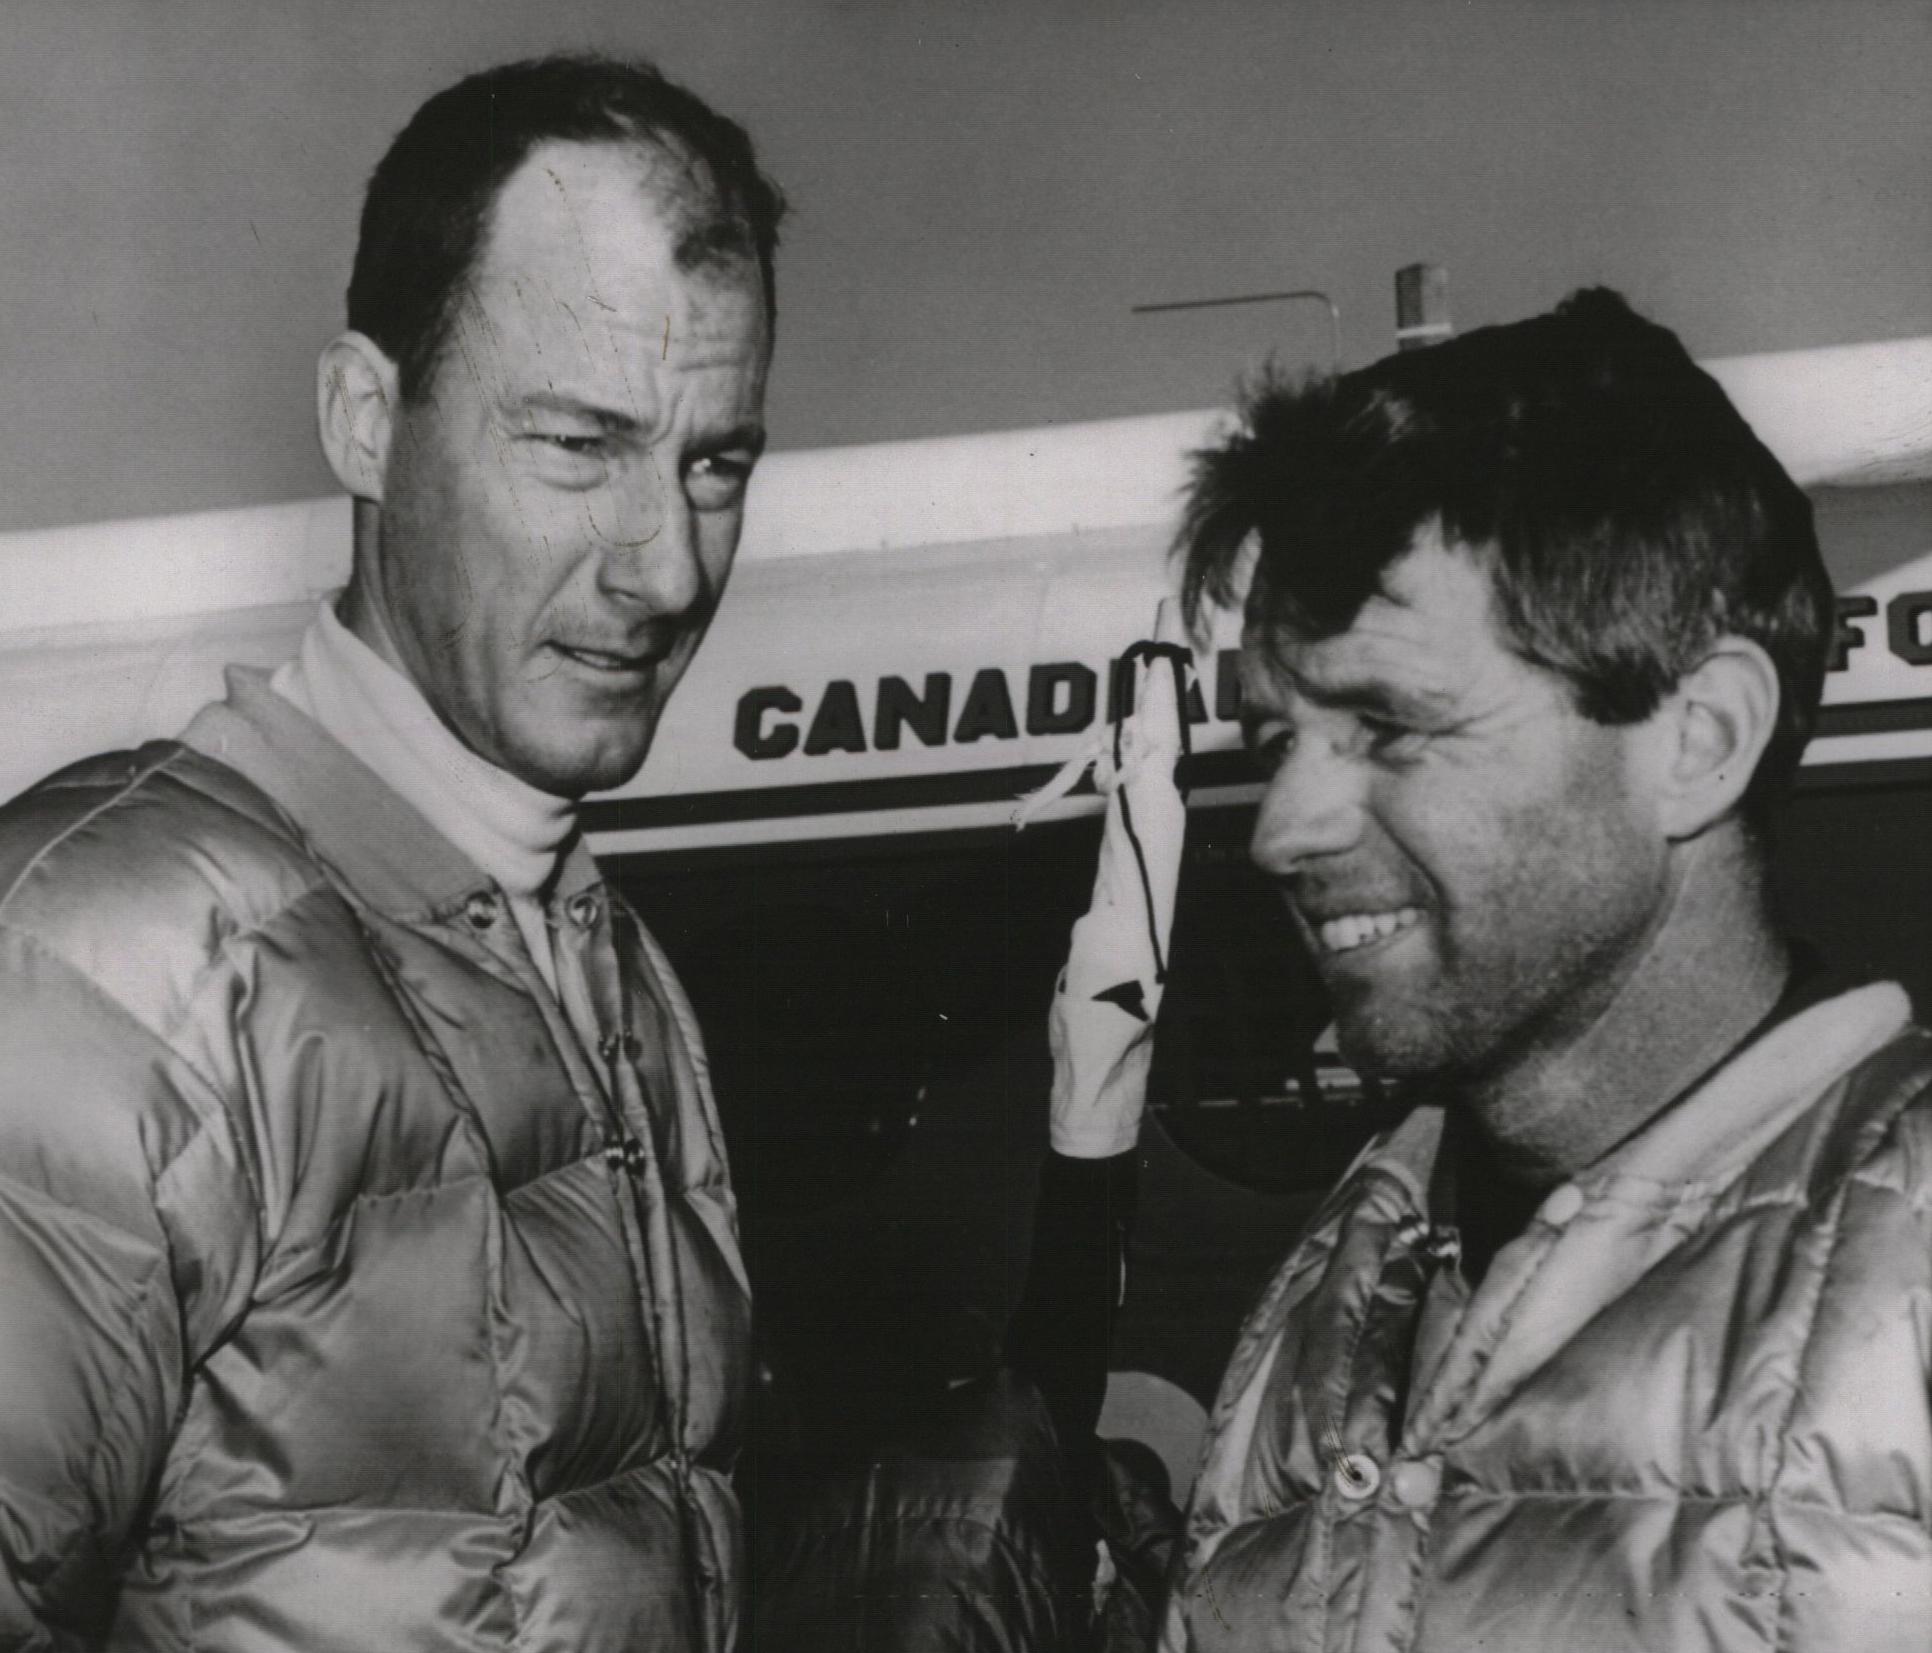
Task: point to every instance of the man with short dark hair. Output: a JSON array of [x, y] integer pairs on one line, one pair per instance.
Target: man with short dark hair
[[368, 1263], [1622, 1339]]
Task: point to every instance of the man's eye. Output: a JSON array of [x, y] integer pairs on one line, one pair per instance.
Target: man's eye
[[1393, 740], [1270, 748], [588, 446], [717, 480]]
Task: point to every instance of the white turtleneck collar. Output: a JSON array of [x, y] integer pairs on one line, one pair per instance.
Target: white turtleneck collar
[[512, 831]]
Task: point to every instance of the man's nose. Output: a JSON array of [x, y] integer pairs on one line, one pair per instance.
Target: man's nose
[[1313, 806], [649, 546]]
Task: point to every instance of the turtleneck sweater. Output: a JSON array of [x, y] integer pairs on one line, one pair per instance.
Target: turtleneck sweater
[[511, 831]]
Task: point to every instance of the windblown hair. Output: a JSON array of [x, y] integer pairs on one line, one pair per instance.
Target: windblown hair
[[1627, 514], [427, 212]]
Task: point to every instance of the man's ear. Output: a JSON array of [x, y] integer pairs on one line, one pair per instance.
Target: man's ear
[[1716, 723], [355, 412]]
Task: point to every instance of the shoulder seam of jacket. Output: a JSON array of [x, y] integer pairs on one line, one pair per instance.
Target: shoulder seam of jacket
[[276, 826], [315, 878], [85, 819]]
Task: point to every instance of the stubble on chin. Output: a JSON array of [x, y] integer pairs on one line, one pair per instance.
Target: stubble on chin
[[1397, 1042]]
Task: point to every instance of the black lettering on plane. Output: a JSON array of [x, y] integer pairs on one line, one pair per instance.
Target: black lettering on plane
[[988, 709], [836, 726], [748, 732], [1848, 636], [1903, 628], [1907, 635], [1062, 696], [925, 715], [1044, 713]]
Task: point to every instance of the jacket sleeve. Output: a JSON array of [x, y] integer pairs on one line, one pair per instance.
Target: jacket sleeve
[[127, 1244]]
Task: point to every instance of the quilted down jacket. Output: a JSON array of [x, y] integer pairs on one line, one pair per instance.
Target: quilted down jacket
[[349, 1301], [1686, 1409]]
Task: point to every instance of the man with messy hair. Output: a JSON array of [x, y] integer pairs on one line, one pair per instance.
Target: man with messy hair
[[369, 1273], [1622, 1339]]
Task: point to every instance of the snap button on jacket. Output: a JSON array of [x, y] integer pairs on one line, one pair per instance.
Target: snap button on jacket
[[327, 1323]]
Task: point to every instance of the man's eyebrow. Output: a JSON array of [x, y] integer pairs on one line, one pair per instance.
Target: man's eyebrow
[[1374, 695], [575, 407], [1379, 697], [749, 435]]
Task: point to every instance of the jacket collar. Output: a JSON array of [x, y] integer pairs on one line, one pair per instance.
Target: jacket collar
[[351, 819], [1728, 1120]]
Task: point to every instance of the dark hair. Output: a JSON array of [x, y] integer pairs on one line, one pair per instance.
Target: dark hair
[[1628, 515], [428, 206]]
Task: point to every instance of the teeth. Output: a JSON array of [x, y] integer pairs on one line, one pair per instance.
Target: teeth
[[1352, 930], [598, 658]]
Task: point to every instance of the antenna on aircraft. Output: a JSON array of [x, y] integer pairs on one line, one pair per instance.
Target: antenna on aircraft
[[1308, 295], [1421, 308]]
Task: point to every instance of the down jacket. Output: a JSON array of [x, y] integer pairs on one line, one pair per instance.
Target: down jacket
[[1686, 1409], [347, 1305]]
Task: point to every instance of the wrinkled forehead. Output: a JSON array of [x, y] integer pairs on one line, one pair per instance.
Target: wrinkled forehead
[[583, 275], [590, 218], [1431, 616], [1273, 667]]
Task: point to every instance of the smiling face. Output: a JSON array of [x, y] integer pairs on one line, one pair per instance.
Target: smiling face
[[1475, 865], [560, 506]]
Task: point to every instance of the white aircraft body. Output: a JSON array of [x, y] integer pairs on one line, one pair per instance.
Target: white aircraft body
[[917, 632]]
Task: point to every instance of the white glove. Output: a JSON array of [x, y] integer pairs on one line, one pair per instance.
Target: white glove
[[1101, 1026]]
